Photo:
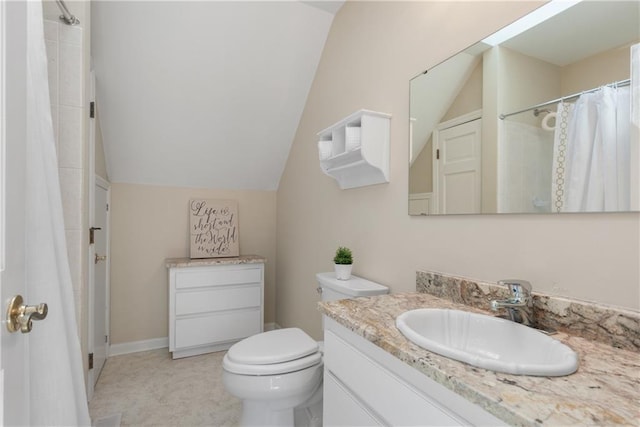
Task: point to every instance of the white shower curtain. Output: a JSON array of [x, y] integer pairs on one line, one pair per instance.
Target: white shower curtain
[[591, 153], [56, 384], [524, 168], [634, 175]]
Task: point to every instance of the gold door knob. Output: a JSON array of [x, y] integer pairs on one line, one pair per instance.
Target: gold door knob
[[20, 316], [100, 258]]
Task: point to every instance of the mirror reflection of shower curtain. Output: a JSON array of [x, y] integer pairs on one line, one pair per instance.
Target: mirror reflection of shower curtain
[[591, 153], [634, 149], [524, 168]]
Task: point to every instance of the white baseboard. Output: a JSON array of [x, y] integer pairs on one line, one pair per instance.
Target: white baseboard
[[136, 346], [271, 326], [156, 343], [110, 421]]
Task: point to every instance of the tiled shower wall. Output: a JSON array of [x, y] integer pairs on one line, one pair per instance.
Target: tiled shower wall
[[65, 54]]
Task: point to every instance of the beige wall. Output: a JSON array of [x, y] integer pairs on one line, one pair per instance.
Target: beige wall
[[421, 171], [150, 224], [468, 99], [525, 81], [372, 51], [607, 67]]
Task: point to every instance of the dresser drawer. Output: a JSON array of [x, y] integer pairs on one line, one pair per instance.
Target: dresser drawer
[[203, 277], [218, 327], [222, 298]]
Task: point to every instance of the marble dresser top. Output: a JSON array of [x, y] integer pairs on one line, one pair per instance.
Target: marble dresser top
[[604, 391], [188, 262]]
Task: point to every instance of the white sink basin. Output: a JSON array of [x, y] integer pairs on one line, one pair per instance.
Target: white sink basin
[[487, 342]]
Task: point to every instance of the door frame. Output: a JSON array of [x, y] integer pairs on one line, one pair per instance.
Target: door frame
[[91, 377], [104, 184], [14, 348], [96, 180], [91, 248], [457, 121]]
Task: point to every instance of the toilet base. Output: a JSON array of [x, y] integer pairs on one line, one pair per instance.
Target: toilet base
[[255, 413], [309, 416], [262, 413]]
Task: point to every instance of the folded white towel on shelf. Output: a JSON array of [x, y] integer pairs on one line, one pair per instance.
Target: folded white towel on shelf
[[324, 149], [352, 138]]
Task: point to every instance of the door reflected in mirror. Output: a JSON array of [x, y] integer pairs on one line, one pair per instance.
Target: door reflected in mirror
[[543, 122]]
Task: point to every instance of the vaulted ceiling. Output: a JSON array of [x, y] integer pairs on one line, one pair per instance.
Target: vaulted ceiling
[[204, 93]]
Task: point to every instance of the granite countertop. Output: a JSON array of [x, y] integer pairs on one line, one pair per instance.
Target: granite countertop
[[604, 391], [189, 262]]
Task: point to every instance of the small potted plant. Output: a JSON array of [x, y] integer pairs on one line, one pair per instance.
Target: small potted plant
[[343, 262]]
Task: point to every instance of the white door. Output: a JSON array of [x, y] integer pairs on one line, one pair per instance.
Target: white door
[[458, 168], [14, 346], [100, 277]]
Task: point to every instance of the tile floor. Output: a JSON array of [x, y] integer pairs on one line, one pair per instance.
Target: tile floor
[[151, 389]]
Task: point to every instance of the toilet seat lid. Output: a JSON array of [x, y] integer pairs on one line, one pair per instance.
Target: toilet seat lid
[[273, 368], [277, 346]]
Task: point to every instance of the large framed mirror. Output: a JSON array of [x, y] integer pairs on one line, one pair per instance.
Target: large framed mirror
[[542, 121]]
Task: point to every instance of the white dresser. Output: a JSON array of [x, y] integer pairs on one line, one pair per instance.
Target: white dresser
[[214, 303]]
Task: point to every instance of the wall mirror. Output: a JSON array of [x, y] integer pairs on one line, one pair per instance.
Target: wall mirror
[[540, 122]]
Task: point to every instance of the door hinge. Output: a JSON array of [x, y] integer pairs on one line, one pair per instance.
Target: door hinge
[[90, 360], [107, 207], [92, 110], [106, 339], [437, 154], [92, 236]]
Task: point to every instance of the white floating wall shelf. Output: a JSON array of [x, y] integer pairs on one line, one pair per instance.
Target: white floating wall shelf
[[355, 151]]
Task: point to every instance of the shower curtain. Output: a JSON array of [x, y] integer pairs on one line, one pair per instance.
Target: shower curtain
[[634, 176], [524, 168], [56, 382], [591, 153]]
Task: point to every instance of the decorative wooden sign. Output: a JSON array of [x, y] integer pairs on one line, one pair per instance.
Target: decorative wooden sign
[[213, 228]]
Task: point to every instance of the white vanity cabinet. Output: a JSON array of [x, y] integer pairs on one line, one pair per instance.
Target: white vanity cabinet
[[212, 305], [364, 385]]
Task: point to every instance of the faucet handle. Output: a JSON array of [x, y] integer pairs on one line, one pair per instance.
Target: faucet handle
[[520, 289]]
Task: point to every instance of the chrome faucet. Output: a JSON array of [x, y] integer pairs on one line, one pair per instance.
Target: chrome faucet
[[520, 305]]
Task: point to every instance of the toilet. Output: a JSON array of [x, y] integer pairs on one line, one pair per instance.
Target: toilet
[[278, 374]]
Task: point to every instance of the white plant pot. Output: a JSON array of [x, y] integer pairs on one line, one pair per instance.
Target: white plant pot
[[343, 271]]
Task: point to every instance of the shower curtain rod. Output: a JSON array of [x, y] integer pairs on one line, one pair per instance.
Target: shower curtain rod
[[564, 98], [66, 16]]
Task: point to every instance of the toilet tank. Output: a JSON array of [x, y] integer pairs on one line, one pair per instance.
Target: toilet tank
[[334, 289]]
